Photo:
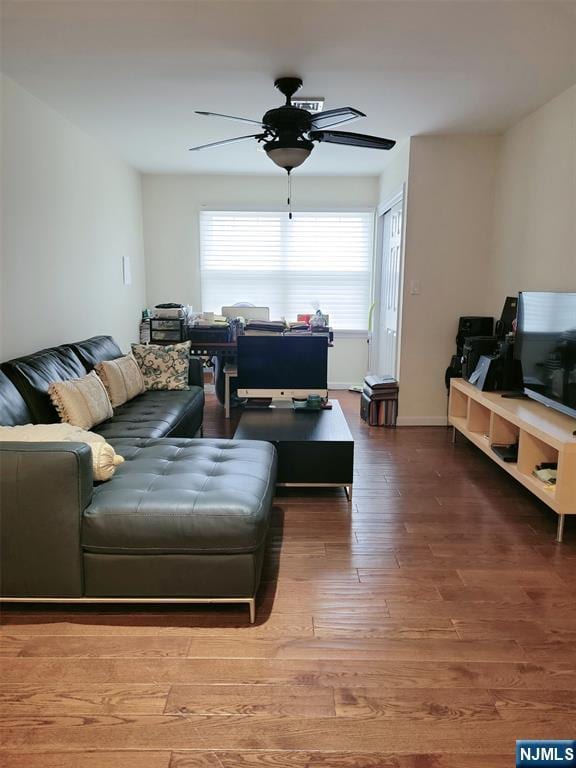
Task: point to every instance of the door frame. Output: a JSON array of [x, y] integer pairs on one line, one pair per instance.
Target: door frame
[[398, 197]]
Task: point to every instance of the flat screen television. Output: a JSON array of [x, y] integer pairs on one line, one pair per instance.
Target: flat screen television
[[282, 366], [546, 347]]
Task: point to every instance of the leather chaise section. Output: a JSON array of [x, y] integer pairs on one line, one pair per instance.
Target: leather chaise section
[[176, 496], [180, 518], [210, 575]]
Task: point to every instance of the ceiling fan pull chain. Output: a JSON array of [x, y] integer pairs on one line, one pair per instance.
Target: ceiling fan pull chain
[[289, 195]]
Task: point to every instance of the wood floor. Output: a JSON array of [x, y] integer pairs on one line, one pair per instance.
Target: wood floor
[[428, 626]]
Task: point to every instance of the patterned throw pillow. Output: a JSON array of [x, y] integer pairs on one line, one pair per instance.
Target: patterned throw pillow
[[81, 402], [163, 367], [122, 378]]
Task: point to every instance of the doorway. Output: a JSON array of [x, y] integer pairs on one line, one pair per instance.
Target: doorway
[[384, 340]]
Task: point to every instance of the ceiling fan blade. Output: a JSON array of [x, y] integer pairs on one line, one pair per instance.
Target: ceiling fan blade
[[351, 139], [335, 117], [228, 141], [231, 117]]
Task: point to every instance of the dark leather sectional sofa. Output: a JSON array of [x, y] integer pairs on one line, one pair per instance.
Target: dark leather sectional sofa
[[182, 519]]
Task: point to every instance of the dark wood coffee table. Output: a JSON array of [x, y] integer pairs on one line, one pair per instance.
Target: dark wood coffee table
[[314, 448]]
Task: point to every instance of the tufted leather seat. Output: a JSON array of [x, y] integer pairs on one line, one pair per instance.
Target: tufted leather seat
[[155, 414], [176, 496]]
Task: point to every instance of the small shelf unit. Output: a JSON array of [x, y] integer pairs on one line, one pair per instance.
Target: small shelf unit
[[542, 435]]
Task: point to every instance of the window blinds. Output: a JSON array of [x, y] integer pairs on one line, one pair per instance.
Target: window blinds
[[292, 266]]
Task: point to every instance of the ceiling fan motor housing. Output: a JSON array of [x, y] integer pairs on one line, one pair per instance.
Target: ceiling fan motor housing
[[288, 120]]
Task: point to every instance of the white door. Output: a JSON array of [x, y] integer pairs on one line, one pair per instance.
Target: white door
[[384, 359]]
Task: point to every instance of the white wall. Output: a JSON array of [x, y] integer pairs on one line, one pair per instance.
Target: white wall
[[70, 213], [534, 245], [171, 207], [395, 175], [448, 239], [487, 216]]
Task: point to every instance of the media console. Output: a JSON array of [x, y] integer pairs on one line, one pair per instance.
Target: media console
[[542, 435]]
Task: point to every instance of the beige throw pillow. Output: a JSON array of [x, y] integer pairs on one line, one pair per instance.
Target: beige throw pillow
[[122, 378], [163, 366], [81, 402], [104, 458]]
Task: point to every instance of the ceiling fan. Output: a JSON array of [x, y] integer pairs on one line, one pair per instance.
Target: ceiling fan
[[288, 132]]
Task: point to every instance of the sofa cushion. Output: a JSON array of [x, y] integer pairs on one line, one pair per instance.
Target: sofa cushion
[[157, 414], [81, 402], [164, 367], [13, 409], [95, 350], [122, 378], [183, 496], [33, 374]]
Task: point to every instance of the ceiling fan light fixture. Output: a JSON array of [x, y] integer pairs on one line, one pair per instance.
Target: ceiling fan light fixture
[[288, 156]]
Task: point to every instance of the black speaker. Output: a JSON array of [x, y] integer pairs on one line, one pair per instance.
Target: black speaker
[[473, 326], [509, 369], [506, 323], [474, 347], [454, 370], [485, 375]]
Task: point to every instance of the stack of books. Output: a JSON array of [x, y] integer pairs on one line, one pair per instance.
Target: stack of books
[[379, 401]]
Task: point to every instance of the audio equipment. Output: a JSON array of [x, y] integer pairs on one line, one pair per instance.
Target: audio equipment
[[506, 323], [472, 326], [473, 348]]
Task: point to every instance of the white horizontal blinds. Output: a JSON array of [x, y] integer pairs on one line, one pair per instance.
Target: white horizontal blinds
[[548, 312], [264, 258]]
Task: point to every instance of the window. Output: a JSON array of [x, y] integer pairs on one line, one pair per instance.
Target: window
[[292, 266]]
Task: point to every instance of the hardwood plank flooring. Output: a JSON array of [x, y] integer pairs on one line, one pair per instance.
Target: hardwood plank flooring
[[428, 624], [276, 759], [99, 759], [83, 699], [407, 705], [292, 701]]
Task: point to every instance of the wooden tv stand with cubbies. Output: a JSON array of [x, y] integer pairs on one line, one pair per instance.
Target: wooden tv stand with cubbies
[[542, 434]]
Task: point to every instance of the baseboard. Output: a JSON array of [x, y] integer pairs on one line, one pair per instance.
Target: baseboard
[[422, 421]]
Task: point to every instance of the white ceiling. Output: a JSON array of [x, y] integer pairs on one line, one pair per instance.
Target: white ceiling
[[132, 73]]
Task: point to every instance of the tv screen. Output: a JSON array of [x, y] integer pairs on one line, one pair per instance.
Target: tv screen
[[546, 347], [283, 363]]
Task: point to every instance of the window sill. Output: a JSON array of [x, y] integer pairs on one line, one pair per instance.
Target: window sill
[[344, 334]]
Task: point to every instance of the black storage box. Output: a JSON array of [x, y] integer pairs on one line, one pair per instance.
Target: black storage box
[[209, 335]]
